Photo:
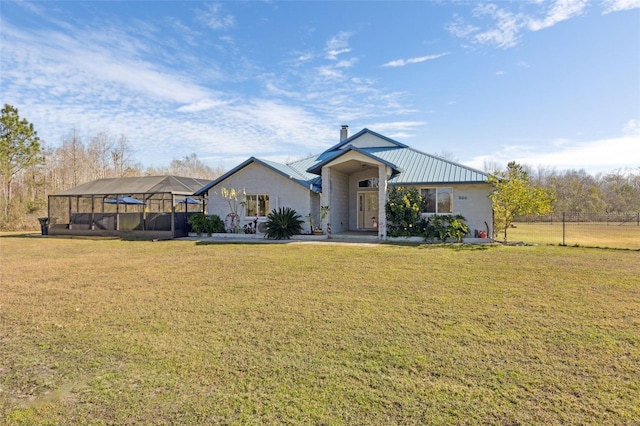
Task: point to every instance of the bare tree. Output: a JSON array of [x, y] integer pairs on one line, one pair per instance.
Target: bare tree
[[99, 155], [121, 157], [191, 166], [75, 158], [621, 190]]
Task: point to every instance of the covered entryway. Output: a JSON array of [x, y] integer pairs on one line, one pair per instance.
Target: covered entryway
[[354, 181]]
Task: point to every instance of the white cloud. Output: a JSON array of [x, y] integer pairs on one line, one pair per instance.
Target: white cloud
[[80, 63], [397, 129], [500, 27], [330, 73], [506, 32], [107, 76], [632, 128], [216, 18], [347, 63], [560, 11], [202, 105], [404, 62], [461, 29], [593, 156], [338, 45], [619, 5]]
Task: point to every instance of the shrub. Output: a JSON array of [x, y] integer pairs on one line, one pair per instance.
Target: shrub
[[404, 212], [216, 225], [198, 223], [201, 223], [283, 223], [447, 226]]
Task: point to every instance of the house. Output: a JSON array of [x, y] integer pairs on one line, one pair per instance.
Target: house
[[353, 179], [147, 206]]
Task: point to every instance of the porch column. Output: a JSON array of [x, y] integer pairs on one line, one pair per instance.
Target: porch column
[[382, 201], [173, 216], [325, 197]]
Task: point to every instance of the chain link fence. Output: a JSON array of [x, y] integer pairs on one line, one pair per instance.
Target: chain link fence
[[613, 230]]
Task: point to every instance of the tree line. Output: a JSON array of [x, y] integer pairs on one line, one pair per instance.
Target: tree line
[[31, 170], [616, 191]]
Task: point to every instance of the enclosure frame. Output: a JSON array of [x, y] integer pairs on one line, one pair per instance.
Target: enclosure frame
[[161, 210]]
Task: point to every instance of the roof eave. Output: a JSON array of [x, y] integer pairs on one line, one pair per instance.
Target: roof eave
[[317, 169], [247, 162], [348, 140]]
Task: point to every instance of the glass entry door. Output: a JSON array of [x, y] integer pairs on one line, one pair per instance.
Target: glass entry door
[[368, 210]]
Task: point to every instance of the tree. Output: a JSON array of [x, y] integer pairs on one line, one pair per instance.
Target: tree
[[621, 189], [514, 195], [121, 155], [576, 191], [74, 159], [191, 166], [99, 154], [19, 149]]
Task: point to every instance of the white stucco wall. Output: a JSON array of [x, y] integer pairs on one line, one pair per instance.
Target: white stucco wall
[[339, 201], [258, 179], [368, 140], [471, 201]]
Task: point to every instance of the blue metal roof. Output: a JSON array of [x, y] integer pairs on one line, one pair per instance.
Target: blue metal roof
[[419, 168], [410, 166], [307, 180], [317, 167], [350, 139]]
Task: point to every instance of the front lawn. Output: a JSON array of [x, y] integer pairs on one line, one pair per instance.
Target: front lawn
[[138, 332]]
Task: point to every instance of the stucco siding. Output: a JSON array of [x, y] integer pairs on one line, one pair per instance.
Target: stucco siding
[[339, 202], [471, 201], [367, 140], [257, 179]]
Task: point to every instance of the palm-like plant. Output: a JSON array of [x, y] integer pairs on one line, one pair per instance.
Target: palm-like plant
[[283, 223]]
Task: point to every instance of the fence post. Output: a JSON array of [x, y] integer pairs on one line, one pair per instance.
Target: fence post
[[563, 228]]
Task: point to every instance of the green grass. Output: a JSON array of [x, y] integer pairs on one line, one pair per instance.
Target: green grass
[[137, 332], [585, 234]]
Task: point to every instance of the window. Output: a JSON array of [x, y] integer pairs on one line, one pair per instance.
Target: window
[[257, 204], [369, 183], [438, 200]]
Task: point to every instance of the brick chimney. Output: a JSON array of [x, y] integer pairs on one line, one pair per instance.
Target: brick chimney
[[344, 132]]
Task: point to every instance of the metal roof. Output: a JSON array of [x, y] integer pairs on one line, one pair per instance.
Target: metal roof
[[419, 168], [355, 136], [410, 167], [138, 185], [295, 173], [317, 167]]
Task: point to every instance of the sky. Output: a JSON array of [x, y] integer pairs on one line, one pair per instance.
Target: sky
[[551, 84]]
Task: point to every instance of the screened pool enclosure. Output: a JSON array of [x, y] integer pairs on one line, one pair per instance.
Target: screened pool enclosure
[[149, 206]]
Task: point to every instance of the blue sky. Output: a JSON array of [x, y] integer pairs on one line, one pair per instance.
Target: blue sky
[[545, 83]]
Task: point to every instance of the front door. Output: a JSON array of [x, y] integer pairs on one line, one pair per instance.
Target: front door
[[368, 210]]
